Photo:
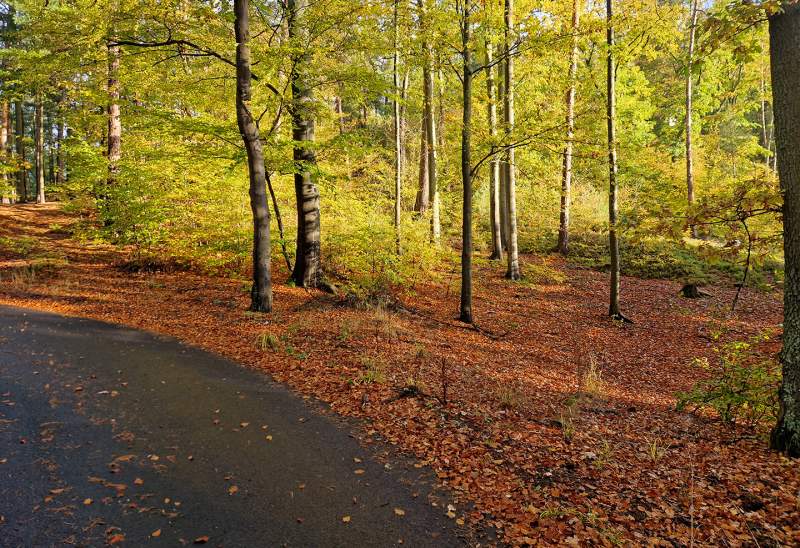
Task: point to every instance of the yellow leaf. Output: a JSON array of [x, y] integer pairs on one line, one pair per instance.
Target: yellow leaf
[[346, 519], [399, 512], [156, 533]]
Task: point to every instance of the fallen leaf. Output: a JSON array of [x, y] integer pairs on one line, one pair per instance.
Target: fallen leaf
[[138, 481], [201, 540], [399, 512], [116, 539], [232, 490], [87, 502]]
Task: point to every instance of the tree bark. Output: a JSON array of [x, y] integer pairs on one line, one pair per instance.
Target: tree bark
[[60, 160], [430, 127], [784, 32], [5, 122], [38, 147], [689, 112], [398, 153], [503, 161], [114, 151], [566, 173], [466, 168], [613, 208], [19, 142], [494, 166], [307, 265], [423, 192], [261, 291], [513, 270]]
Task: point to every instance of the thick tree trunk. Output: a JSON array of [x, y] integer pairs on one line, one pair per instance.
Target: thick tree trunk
[[689, 112], [38, 148], [502, 161], [423, 192], [613, 208], [114, 143], [784, 32], [398, 152], [513, 270], [261, 291], [307, 265], [566, 173], [19, 142], [466, 169], [494, 166]]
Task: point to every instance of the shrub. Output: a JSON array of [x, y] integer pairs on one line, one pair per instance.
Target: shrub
[[743, 386]]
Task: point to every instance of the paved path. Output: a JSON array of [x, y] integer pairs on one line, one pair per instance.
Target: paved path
[[107, 432]]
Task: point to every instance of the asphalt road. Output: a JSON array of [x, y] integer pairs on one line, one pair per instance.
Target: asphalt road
[[110, 435]]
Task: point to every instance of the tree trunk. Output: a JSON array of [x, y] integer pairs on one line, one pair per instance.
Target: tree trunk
[[261, 291], [502, 161], [60, 160], [5, 121], [423, 193], [566, 173], [689, 112], [513, 271], [784, 32], [38, 148], [613, 208], [466, 169], [430, 128], [114, 143], [398, 153], [19, 141], [307, 268], [494, 166]]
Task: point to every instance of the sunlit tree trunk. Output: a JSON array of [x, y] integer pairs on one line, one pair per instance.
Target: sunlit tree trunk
[[61, 164], [430, 126], [466, 167], [613, 208], [566, 173], [494, 166], [423, 192], [5, 120], [19, 142], [398, 153], [307, 270], [114, 143], [38, 148], [502, 162], [513, 271], [261, 291], [689, 113], [784, 31]]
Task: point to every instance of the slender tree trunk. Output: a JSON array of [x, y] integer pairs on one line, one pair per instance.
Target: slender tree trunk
[[19, 141], [339, 113], [38, 148], [503, 162], [513, 271], [423, 193], [566, 173], [307, 265], [784, 32], [60, 161], [766, 138], [5, 120], [613, 208], [261, 291], [114, 152], [466, 168], [689, 113], [494, 166], [398, 153], [430, 127]]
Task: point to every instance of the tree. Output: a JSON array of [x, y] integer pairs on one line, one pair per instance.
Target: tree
[[613, 206], [784, 32], [466, 162], [566, 172], [38, 147], [114, 143], [261, 291], [494, 166], [689, 112], [513, 271], [430, 122], [398, 152], [19, 142], [307, 270]]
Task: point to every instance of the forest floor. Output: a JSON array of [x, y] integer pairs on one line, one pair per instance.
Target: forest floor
[[505, 415]]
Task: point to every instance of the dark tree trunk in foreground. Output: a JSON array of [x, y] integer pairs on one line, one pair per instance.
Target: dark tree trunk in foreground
[[307, 265], [5, 121], [38, 147], [261, 292], [613, 208], [784, 33], [466, 169], [566, 173], [494, 165], [513, 270], [398, 151], [430, 125], [19, 136]]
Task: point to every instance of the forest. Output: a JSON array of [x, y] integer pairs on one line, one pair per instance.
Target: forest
[[548, 248]]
